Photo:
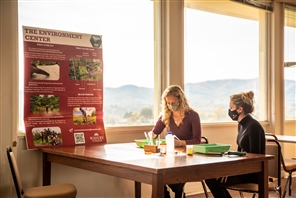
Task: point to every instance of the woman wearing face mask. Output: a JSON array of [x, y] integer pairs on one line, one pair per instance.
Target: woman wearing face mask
[[250, 139], [177, 116]]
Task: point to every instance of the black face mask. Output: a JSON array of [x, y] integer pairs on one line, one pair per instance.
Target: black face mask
[[233, 114]]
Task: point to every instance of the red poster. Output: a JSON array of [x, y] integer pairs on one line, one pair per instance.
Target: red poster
[[63, 88]]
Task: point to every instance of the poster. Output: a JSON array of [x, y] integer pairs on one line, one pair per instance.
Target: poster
[[63, 88]]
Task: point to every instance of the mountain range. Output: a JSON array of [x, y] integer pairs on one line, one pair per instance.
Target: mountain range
[[205, 97]]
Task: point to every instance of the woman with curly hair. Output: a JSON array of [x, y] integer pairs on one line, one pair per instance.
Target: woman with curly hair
[[250, 139], [177, 116]]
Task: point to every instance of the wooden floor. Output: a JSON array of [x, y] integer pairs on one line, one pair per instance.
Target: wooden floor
[[248, 195]]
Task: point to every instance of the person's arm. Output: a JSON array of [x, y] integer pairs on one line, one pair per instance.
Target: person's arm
[[256, 139], [158, 127], [196, 129], [180, 143]]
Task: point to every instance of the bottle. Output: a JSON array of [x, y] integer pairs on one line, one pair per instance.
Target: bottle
[[170, 143], [162, 148]]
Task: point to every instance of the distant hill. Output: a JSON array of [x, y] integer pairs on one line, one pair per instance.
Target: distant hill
[[128, 98], [132, 105], [205, 94], [205, 97]]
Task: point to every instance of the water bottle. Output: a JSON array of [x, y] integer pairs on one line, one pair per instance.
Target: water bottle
[[170, 143]]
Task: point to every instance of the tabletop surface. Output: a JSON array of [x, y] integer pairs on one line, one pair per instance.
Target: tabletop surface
[[128, 154], [286, 138]]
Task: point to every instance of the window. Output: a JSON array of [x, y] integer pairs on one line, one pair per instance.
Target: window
[[290, 62], [223, 56], [128, 49]]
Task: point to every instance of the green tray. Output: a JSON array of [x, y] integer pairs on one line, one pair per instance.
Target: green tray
[[142, 142], [211, 148]]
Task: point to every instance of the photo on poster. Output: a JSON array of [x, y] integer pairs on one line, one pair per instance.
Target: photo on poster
[[84, 115], [44, 104], [45, 70], [47, 136], [85, 69]]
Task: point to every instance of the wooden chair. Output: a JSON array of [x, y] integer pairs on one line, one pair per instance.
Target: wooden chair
[[52, 191], [204, 140], [274, 171], [288, 165]]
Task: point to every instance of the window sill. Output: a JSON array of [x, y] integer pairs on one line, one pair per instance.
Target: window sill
[[135, 129]]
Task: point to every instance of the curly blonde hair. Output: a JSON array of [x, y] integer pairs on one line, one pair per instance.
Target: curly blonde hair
[[244, 100], [173, 90]]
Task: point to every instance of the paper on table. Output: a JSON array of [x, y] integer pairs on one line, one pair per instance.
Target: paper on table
[[147, 138], [150, 135]]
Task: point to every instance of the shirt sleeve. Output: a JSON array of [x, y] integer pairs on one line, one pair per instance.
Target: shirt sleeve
[[159, 126], [256, 139], [196, 129]]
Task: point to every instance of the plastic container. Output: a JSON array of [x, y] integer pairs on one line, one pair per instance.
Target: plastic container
[[170, 143], [162, 148], [189, 149], [211, 148]]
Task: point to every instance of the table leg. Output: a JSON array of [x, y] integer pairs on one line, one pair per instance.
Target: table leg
[[46, 170], [137, 189], [158, 186], [263, 180]]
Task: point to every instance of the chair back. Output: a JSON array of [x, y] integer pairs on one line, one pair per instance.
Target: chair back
[[273, 147], [204, 140], [273, 165], [14, 172]]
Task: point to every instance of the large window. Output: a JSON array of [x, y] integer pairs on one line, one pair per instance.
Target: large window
[[128, 49], [290, 62], [224, 54]]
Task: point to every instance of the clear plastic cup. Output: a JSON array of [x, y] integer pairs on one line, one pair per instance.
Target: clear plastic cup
[[189, 149]]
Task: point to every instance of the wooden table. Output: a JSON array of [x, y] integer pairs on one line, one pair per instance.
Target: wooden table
[[286, 138], [282, 138], [129, 162]]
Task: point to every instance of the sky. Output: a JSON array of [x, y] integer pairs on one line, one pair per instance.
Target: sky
[[128, 51]]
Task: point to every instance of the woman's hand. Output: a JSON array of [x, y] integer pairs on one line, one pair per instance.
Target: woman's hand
[[152, 135], [178, 143]]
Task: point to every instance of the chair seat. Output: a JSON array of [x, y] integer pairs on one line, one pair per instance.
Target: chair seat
[[248, 187], [252, 187], [52, 191], [290, 164]]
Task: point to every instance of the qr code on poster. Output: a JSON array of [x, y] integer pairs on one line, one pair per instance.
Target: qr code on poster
[[79, 138]]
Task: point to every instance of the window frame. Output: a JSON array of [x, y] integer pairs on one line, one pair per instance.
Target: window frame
[[166, 73]]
